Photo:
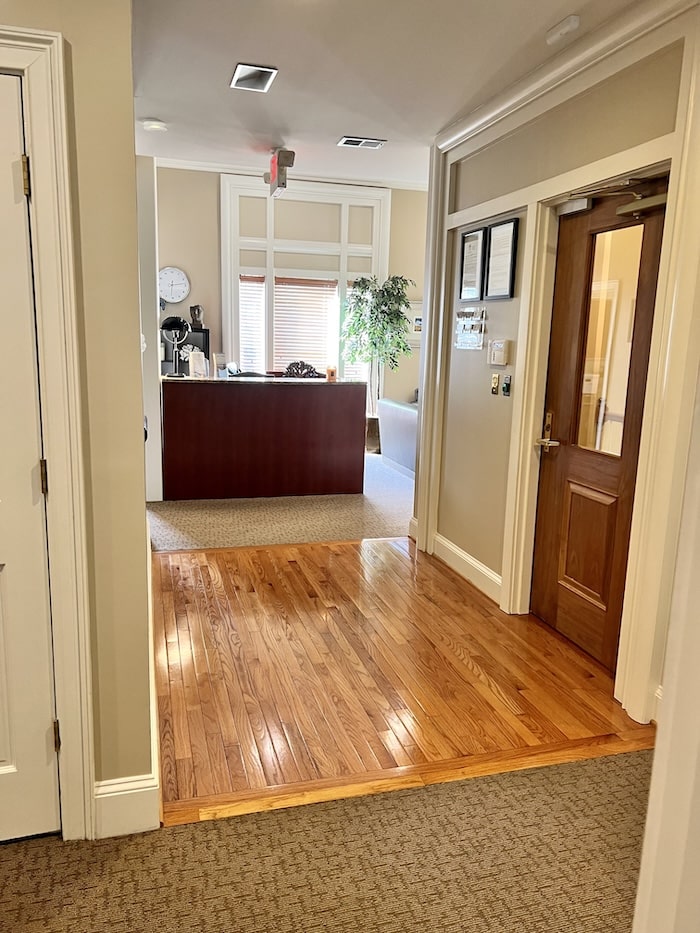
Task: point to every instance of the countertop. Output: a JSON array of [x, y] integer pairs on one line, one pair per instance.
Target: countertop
[[264, 380]]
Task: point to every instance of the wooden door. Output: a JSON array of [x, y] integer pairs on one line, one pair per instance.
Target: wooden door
[[29, 802], [605, 287]]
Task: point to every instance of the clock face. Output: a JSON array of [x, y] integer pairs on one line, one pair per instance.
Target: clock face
[[173, 285]]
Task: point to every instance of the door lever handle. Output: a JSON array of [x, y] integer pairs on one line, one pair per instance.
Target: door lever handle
[[546, 443]]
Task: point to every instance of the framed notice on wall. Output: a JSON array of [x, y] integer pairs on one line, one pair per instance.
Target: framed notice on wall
[[472, 265], [500, 264]]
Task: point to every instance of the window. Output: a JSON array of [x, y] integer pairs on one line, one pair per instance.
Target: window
[[287, 265], [305, 323], [251, 322], [358, 371]]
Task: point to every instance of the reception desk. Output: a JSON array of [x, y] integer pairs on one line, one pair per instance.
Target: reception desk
[[241, 438]]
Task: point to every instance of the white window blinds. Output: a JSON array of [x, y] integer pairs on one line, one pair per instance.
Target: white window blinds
[[251, 323], [305, 316]]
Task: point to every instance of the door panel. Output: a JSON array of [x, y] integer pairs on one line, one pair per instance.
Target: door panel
[[605, 288], [28, 766], [587, 540]]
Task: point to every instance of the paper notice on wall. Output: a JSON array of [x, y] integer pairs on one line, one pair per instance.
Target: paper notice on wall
[[469, 330]]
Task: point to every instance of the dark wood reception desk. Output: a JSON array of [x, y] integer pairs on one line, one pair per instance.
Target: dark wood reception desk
[[247, 437]]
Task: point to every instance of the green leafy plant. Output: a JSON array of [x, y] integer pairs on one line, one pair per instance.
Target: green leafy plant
[[375, 327]]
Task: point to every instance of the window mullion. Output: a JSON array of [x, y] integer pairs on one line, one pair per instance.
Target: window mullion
[[270, 290]]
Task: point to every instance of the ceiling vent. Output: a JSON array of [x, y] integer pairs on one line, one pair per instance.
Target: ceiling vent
[[253, 78], [360, 142]]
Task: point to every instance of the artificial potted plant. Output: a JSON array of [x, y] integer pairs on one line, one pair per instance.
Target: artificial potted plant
[[375, 330]]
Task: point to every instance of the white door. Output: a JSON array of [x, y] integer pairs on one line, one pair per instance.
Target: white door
[[29, 802]]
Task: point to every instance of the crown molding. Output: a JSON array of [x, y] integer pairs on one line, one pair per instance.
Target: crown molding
[[635, 23], [224, 168]]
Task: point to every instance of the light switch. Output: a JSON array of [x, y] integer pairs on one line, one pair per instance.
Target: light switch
[[495, 380]]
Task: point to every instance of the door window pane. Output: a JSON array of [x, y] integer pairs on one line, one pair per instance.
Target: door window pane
[[609, 339]]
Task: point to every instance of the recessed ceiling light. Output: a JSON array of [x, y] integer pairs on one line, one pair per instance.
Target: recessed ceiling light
[[360, 142], [557, 33], [253, 78], [154, 126]]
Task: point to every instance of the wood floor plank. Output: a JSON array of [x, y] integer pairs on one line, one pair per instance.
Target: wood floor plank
[[181, 729], [160, 645], [203, 771], [186, 786], [236, 768], [210, 712], [168, 763], [218, 764], [222, 703], [297, 673]]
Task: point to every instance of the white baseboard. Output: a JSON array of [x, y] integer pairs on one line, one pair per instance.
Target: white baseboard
[[483, 578], [126, 805], [399, 467], [413, 528]]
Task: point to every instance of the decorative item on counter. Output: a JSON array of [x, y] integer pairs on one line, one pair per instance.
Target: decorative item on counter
[[218, 363], [331, 373], [175, 331], [186, 350], [301, 370], [197, 315], [199, 365]]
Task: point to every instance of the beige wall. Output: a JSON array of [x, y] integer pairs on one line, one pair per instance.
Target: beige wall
[[409, 211], [100, 105], [637, 104], [610, 117], [150, 317], [477, 428], [189, 238]]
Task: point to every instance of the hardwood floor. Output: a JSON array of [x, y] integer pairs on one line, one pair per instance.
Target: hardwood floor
[[296, 673]]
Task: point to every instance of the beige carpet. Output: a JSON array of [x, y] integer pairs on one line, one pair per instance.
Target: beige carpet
[[554, 850], [384, 511]]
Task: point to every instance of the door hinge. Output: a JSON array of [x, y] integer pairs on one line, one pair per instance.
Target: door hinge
[[56, 736], [44, 477], [25, 176]]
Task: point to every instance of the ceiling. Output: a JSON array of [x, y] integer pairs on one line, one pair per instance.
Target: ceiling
[[400, 70]]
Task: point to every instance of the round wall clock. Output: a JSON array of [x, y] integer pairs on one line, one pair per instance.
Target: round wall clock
[[173, 284]]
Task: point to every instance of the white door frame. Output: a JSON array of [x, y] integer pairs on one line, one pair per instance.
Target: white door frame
[[37, 57], [675, 351]]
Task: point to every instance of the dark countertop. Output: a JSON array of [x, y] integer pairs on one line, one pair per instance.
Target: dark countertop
[[265, 380]]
